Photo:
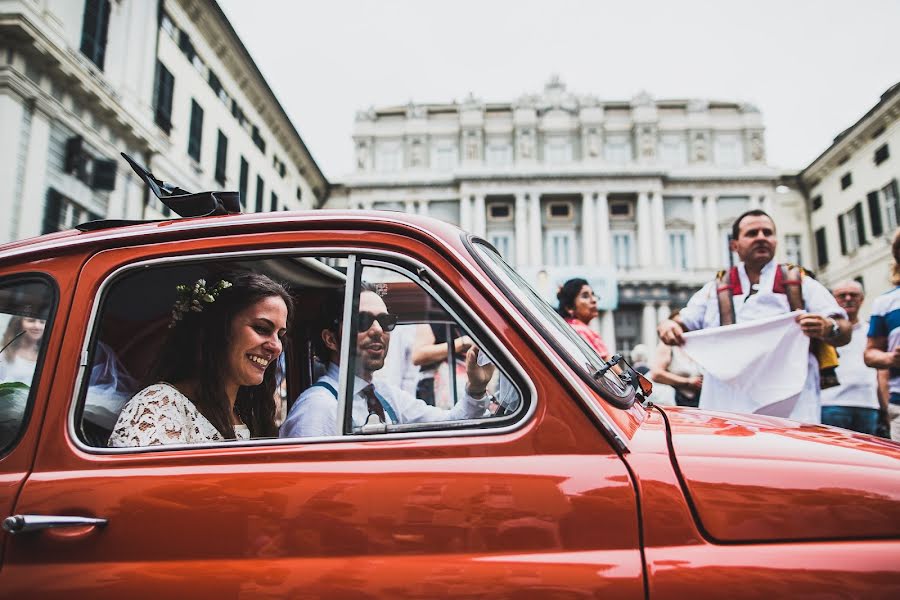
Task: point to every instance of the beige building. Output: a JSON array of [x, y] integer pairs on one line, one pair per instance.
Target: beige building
[[168, 82], [854, 201], [637, 196]]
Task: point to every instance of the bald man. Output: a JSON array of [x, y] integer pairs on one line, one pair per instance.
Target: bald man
[[856, 403]]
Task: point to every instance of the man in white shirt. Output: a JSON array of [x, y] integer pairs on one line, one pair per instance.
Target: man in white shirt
[[315, 411], [855, 403], [754, 297]]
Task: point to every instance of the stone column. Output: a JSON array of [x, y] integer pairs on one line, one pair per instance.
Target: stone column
[[608, 330], [409, 206], [700, 243], [766, 204], [662, 312], [535, 235], [648, 326], [479, 216], [521, 225], [754, 202], [659, 230], [28, 214], [588, 235], [465, 212], [712, 234], [644, 231], [604, 238], [12, 113], [423, 207]]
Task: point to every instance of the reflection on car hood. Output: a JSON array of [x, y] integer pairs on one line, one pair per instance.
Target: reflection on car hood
[[755, 478]]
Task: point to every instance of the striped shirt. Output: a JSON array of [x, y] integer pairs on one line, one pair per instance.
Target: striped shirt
[[885, 322]]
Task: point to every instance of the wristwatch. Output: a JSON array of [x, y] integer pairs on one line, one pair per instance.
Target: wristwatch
[[835, 330]]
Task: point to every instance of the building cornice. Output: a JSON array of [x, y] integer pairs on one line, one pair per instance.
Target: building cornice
[[221, 36], [854, 137], [81, 78]]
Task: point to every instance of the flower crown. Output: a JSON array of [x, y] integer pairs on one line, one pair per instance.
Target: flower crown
[[192, 298]]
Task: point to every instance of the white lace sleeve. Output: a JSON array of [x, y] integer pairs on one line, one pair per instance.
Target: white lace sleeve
[[159, 414]]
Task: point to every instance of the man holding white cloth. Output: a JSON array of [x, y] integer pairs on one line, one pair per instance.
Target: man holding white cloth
[[762, 363]]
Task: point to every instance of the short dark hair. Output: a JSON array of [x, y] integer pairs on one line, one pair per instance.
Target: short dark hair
[[567, 294], [736, 226], [331, 312]]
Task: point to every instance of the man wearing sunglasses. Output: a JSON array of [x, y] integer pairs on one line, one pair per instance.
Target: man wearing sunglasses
[[315, 411]]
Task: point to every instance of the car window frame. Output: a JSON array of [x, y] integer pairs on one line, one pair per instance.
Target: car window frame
[[53, 287], [348, 332], [620, 402], [524, 384]]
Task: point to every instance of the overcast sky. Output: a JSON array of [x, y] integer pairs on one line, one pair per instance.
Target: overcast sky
[[813, 67]]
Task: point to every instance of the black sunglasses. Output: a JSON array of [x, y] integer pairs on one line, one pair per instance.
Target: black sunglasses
[[365, 320]]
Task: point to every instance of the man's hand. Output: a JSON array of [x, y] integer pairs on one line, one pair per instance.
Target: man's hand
[[822, 328], [671, 332], [478, 376], [695, 383]]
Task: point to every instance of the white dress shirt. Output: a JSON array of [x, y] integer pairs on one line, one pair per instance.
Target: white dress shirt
[[315, 411]]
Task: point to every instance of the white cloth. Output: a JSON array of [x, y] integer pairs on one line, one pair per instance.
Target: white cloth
[[859, 383], [754, 367], [159, 414], [17, 369], [315, 411], [702, 312]]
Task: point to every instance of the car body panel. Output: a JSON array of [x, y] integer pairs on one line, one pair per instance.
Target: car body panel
[[683, 561], [769, 479]]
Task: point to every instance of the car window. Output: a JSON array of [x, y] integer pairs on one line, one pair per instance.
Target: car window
[[25, 307], [419, 357], [153, 377], [559, 333], [134, 350]]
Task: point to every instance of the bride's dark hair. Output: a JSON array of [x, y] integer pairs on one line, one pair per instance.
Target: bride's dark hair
[[197, 349]]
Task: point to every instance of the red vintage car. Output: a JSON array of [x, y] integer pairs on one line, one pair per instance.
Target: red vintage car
[[572, 485]]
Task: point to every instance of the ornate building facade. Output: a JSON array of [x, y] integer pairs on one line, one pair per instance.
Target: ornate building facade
[[636, 196], [167, 81], [854, 199]]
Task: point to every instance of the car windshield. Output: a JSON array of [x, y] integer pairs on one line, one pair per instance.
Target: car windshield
[[539, 311]]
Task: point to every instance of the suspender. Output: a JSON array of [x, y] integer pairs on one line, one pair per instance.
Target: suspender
[[728, 285], [388, 409]]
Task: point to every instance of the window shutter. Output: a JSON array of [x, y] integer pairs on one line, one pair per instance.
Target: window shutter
[[52, 210], [821, 247], [875, 214], [860, 225], [94, 30], [104, 175], [842, 234], [896, 189]]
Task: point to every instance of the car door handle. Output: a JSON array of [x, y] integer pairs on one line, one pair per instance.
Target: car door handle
[[27, 523]]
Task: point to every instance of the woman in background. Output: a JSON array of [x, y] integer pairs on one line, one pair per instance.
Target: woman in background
[[578, 306], [20, 348]]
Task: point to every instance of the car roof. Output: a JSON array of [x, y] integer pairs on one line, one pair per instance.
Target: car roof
[[198, 227]]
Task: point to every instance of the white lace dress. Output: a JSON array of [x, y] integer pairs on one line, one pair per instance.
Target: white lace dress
[[160, 414]]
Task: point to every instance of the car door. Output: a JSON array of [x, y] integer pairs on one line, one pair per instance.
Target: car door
[[29, 291], [540, 507]]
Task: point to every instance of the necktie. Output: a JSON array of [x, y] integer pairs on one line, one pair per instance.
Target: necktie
[[372, 403]]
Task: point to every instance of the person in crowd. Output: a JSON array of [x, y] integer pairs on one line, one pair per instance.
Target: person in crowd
[[640, 359], [216, 375], [430, 353], [20, 348], [751, 294], [855, 403], [578, 306], [673, 367], [883, 346], [315, 411]]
